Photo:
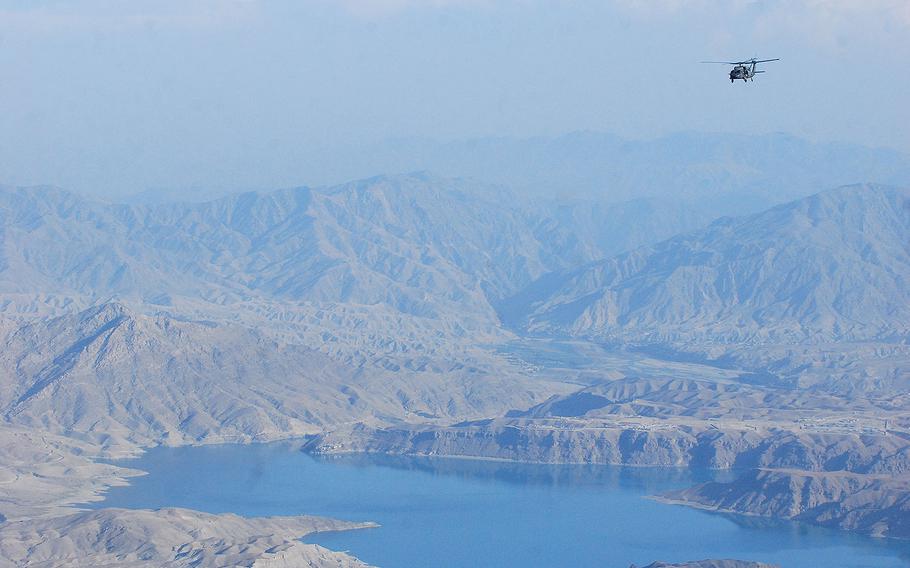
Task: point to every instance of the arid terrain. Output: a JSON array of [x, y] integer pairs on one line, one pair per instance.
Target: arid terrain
[[428, 316]]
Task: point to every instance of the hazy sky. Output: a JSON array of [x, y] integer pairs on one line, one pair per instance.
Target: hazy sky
[[123, 96]]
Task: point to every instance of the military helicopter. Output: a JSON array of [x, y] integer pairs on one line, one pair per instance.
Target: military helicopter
[[744, 70]]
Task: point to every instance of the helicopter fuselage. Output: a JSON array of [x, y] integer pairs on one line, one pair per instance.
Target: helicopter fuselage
[[742, 72]]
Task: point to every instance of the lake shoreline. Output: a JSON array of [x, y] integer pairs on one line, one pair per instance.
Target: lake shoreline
[[472, 475]]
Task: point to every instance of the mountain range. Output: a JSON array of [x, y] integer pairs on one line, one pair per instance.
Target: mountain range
[[833, 266], [419, 314], [384, 300]]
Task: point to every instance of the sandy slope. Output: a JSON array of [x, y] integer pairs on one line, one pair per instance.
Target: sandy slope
[[169, 537], [42, 476]]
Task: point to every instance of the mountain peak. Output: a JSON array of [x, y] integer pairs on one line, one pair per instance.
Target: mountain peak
[[833, 265]]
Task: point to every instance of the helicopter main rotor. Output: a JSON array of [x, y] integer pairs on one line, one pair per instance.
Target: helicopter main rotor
[[746, 62]]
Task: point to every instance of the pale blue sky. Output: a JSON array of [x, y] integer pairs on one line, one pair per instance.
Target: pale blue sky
[[122, 96]]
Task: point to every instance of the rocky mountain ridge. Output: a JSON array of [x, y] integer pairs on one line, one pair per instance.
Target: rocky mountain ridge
[[118, 377], [833, 266]]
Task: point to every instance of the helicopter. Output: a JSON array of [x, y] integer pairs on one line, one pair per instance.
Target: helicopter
[[744, 70]]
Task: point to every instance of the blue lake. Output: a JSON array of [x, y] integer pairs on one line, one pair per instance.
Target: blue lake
[[466, 513]]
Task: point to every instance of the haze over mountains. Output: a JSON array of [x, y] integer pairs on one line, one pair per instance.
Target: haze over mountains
[[422, 246], [731, 173], [416, 244]]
